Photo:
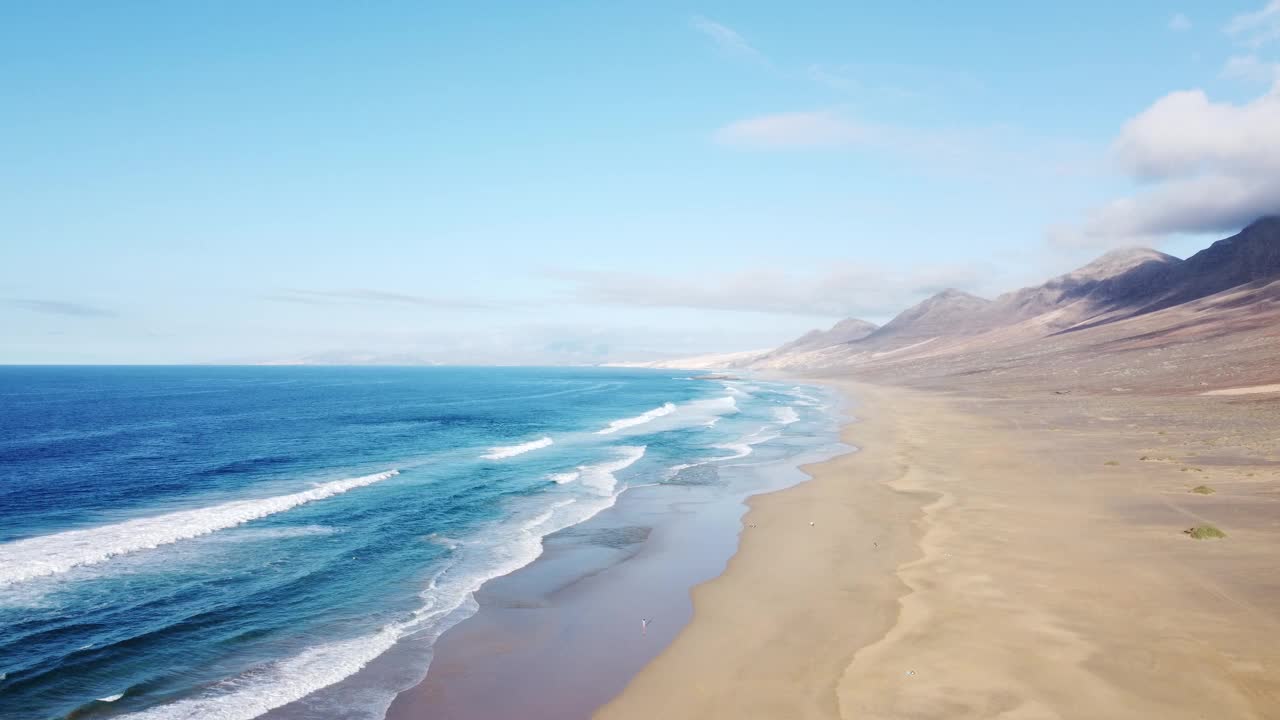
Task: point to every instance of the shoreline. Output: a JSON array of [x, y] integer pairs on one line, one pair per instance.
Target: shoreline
[[562, 635], [1028, 561], [763, 641]]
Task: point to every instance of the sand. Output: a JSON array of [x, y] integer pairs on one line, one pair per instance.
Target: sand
[[1245, 390], [1019, 556]]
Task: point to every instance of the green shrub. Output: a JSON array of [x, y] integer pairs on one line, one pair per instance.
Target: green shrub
[[1205, 532]]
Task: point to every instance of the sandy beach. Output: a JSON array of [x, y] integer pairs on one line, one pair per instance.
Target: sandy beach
[[1016, 554]]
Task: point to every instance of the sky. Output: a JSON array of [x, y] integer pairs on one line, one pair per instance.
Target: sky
[[483, 182]]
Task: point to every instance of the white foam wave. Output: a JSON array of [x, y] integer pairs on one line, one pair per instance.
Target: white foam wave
[[35, 557], [270, 686], [641, 419], [447, 600], [674, 470], [740, 450], [503, 452], [745, 446], [111, 698], [601, 478], [725, 405], [786, 415], [564, 477], [442, 541]]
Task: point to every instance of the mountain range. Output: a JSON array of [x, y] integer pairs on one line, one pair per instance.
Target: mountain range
[[1124, 301]]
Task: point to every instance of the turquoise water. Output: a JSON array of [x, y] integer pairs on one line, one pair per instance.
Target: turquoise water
[[221, 542]]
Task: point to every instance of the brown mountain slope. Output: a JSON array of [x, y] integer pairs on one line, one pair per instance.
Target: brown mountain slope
[[845, 331], [1226, 340], [1118, 279], [1250, 255], [950, 312], [1118, 286]]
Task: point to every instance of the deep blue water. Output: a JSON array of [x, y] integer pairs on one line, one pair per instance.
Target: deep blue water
[[217, 542]]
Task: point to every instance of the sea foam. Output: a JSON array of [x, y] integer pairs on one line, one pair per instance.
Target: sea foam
[[786, 415], [640, 419], [502, 452], [601, 478], [744, 447], [447, 600], [35, 557]]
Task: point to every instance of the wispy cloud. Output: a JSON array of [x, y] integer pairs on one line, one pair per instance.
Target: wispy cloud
[[1258, 28], [977, 151], [1205, 166], [1250, 68], [839, 291], [780, 131], [370, 296], [729, 41], [1179, 23], [59, 307], [834, 78]]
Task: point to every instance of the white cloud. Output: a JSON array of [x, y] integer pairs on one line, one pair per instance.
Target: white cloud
[[1179, 23], [1250, 68], [1185, 133], [1206, 204], [1207, 167], [839, 291], [1257, 28], [728, 39], [818, 129]]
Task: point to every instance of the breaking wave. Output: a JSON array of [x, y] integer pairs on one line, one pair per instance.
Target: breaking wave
[[502, 452], [52, 554], [642, 418]]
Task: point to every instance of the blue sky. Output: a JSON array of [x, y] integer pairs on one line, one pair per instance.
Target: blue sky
[[563, 181]]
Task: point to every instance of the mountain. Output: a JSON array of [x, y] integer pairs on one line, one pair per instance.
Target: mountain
[[950, 312], [1117, 287], [1118, 279], [845, 331], [1133, 299], [1249, 255]]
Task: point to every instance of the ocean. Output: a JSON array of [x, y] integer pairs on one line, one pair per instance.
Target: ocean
[[231, 542]]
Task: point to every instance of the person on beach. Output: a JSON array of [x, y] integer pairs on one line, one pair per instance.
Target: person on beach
[[644, 625]]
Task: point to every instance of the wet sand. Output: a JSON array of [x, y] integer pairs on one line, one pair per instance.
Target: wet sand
[[562, 636], [1016, 556]]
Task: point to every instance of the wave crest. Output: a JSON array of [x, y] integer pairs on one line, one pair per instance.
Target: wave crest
[[601, 478], [502, 452], [641, 419], [35, 557]]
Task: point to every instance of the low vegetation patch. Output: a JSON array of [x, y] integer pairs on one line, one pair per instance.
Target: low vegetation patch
[[1205, 532], [1202, 490], [1111, 462]]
